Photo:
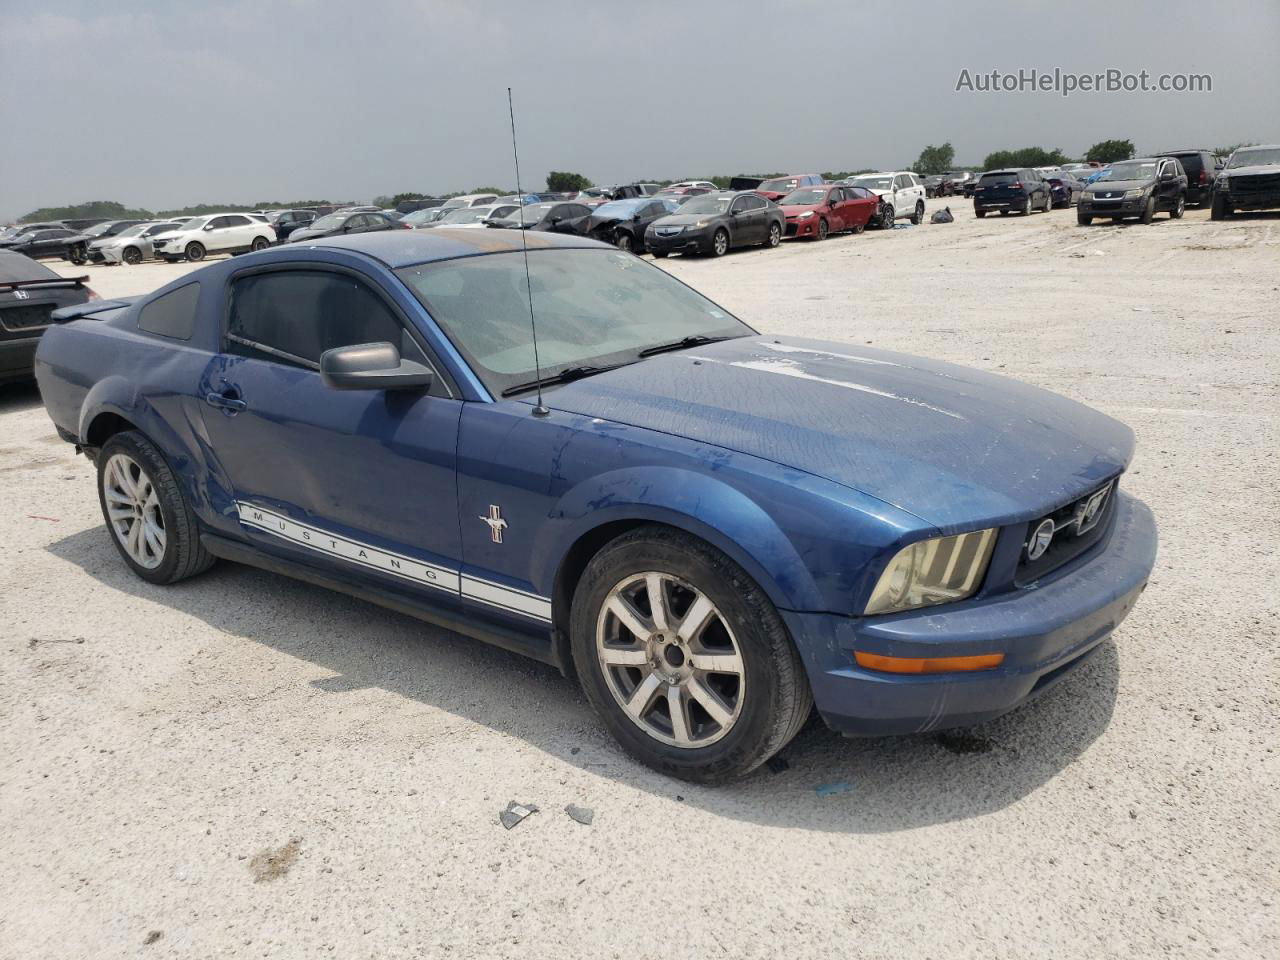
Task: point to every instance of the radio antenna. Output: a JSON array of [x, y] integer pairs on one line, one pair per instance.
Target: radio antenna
[[539, 410]]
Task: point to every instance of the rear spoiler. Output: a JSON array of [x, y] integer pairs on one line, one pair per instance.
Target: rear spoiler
[[65, 314], [44, 282]]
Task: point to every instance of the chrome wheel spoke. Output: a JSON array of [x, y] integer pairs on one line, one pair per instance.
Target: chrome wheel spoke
[[642, 696], [709, 702], [658, 602], [695, 619], [676, 706], [630, 617], [624, 656], [717, 662], [132, 508]]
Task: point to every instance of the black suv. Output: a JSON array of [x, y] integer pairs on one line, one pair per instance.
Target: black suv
[[1249, 181], [1009, 191], [1200, 166], [287, 221], [1135, 188]]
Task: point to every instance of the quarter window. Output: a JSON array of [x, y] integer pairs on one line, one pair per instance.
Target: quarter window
[[172, 315]]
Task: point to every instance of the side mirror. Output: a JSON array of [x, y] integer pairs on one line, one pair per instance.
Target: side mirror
[[1167, 175], [371, 366], [208, 226]]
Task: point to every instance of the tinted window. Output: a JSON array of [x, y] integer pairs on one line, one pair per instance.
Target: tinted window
[[217, 223], [235, 221], [302, 313], [172, 315], [755, 203]]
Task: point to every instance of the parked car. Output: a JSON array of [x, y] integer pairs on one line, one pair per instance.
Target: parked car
[[777, 188], [1064, 189], [817, 211], [10, 234], [623, 222], [425, 217], [684, 185], [970, 185], [519, 199], [340, 224], [572, 217], [1250, 180], [1136, 188], [715, 223], [1019, 190], [676, 190], [959, 179], [29, 293], [132, 245], [478, 217], [285, 222], [412, 206], [213, 233], [901, 195], [44, 242], [81, 224], [1199, 166], [937, 185], [78, 246], [471, 200], [712, 530]]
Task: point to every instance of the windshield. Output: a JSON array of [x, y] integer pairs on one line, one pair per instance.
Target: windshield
[[98, 229], [873, 183], [593, 307], [706, 204], [618, 209], [781, 185], [804, 195], [465, 215], [424, 216], [332, 222], [1129, 171], [532, 213], [1250, 158]]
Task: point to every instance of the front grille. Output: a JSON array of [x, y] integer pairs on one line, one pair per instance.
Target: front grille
[[1068, 541], [26, 317], [791, 229], [1258, 183]]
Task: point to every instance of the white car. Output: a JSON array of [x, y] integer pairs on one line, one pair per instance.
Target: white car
[[705, 184], [471, 200], [901, 195], [214, 233], [475, 216]]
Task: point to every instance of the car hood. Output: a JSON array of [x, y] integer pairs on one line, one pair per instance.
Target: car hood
[[1251, 171], [795, 209], [684, 219], [1108, 185], [306, 233], [952, 445]]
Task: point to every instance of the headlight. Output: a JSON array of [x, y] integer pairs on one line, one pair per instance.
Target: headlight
[[1134, 194], [933, 571], [700, 223], [806, 215]]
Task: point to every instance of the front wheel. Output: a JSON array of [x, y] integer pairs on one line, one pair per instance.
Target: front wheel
[[131, 255], [78, 255], [775, 235], [823, 229], [720, 243], [1149, 211], [623, 241], [151, 525], [1179, 209], [1219, 209], [195, 251], [685, 658], [661, 254], [1083, 218], [917, 217], [886, 217]]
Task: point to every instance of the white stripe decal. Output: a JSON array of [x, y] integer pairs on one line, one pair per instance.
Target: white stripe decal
[[396, 564]]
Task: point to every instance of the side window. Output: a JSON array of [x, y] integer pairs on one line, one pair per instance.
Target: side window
[[235, 221], [217, 223], [293, 316], [172, 315]]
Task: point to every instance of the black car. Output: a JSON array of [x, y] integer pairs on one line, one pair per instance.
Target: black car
[[1249, 181], [716, 222], [1064, 189], [1200, 166], [1011, 191], [1136, 188], [287, 221], [78, 246], [44, 242], [9, 235], [553, 217], [623, 222], [29, 292], [345, 222]]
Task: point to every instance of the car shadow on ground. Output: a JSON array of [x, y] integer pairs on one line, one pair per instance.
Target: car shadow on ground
[[824, 782], [16, 397]]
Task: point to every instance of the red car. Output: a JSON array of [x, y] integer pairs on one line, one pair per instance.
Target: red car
[[815, 212], [779, 187]]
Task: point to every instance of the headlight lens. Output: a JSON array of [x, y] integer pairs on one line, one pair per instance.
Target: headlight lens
[[806, 215], [1134, 194], [939, 570]]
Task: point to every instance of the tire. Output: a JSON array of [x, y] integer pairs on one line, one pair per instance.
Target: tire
[[1026, 207], [917, 217], [887, 217], [78, 255], [145, 496], [979, 213], [623, 241], [195, 251], [131, 255], [1149, 211], [1179, 209], [661, 254], [860, 228], [720, 243], [1218, 208], [775, 235], [752, 708], [259, 243], [824, 229], [1083, 218]]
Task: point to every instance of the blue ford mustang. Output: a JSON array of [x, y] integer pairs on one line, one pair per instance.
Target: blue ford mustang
[[713, 529]]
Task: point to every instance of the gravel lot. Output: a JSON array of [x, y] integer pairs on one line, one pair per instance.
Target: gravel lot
[[242, 765]]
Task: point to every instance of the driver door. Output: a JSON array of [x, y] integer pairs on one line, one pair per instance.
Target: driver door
[[360, 482]]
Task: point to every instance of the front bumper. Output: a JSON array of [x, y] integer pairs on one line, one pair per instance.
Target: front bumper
[[1118, 207], [802, 228], [684, 242], [1044, 632]]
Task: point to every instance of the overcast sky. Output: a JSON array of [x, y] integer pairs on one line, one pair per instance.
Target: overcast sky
[[161, 105]]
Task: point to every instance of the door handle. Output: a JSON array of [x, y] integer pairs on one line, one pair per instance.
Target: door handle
[[228, 401]]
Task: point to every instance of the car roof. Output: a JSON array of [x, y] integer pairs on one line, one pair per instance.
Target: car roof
[[405, 248]]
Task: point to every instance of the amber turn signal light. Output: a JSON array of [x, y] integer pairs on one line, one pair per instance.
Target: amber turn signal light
[[874, 661]]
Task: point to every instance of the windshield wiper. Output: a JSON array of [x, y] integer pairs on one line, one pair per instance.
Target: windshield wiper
[[564, 376], [695, 341]]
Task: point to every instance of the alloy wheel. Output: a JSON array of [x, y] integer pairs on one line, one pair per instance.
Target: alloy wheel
[[721, 243], [775, 235], [133, 510], [670, 660]]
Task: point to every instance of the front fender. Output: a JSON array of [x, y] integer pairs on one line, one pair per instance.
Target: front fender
[[699, 504]]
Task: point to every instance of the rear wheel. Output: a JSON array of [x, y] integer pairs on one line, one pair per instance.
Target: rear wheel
[[720, 243], [859, 228], [1026, 207], [979, 213], [775, 235], [195, 251], [260, 243], [151, 525], [131, 255], [684, 657], [1179, 209], [917, 217]]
